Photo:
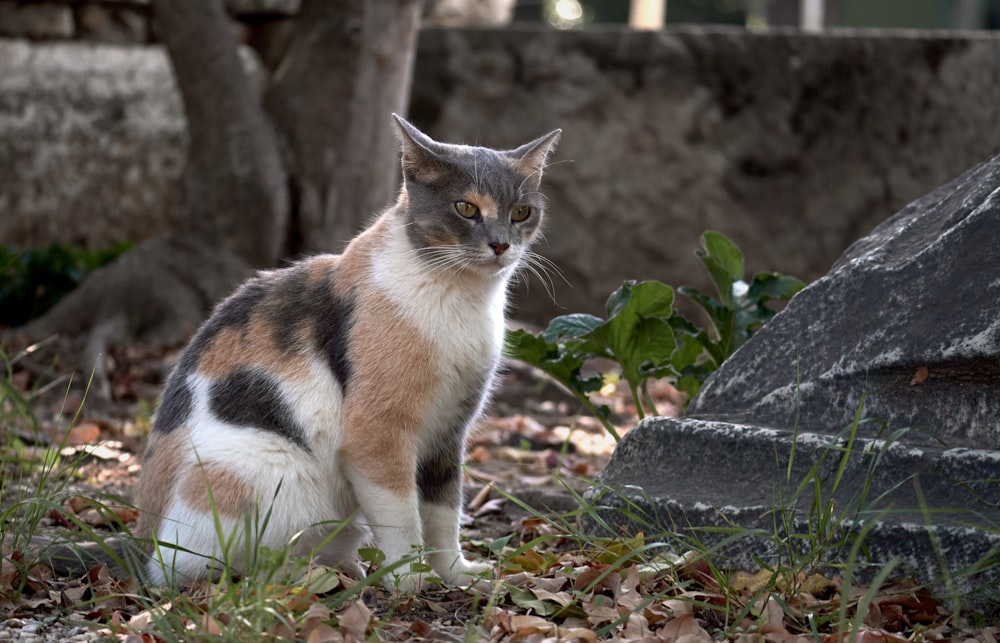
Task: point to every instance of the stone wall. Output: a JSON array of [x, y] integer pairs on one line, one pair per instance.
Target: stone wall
[[792, 145], [117, 21]]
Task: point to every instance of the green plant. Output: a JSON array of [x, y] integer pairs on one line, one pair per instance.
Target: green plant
[[648, 338], [34, 478], [32, 281]]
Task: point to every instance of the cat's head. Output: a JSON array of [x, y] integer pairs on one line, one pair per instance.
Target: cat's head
[[472, 208]]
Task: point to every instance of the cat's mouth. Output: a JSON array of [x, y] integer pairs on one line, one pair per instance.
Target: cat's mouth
[[493, 265]]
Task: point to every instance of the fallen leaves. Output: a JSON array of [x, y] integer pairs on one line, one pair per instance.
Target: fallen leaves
[[552, 585], [97, 514]]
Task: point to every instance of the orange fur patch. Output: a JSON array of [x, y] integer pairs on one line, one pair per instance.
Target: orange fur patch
[[159, 475], [487, 206], [231, 495], [353, 266], [254, 344], [389, 394]]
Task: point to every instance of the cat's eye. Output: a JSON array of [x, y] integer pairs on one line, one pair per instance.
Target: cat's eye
[[520, 214], [466, 209]]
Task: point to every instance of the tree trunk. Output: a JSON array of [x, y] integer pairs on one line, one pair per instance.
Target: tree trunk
[[348, 67], [234, 190]]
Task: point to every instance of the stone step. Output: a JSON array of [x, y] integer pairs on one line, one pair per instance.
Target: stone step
[[730, 487]]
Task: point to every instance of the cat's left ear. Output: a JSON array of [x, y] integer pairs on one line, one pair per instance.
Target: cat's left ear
[[531, 157], [420, 158]]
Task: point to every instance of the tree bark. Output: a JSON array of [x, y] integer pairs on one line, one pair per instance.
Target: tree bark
[[234, 189], [348, 67]]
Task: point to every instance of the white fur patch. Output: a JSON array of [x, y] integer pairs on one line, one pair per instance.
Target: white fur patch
[[296, 488]]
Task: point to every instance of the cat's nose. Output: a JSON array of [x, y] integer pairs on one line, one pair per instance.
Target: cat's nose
[[499, 248]]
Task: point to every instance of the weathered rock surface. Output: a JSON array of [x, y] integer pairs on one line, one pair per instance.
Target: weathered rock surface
[[698, 480], [92, 143], [903, 334], [906, 327]]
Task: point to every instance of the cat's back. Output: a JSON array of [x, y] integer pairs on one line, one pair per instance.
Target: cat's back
[[282, 331]]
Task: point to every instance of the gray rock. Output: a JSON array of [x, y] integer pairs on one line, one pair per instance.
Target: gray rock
[[877, 387], [694, 481], [920, 292]]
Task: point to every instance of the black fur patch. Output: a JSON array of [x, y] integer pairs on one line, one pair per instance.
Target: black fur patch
[[175, 407], [302, 302], [333, 319], [439, 472], [234, 311], [250, 398]]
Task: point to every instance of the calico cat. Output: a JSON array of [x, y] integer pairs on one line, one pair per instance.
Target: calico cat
[[342, 388]]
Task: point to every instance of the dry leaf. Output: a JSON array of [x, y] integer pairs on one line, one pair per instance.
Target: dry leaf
[[600, 610], [96, 518], [478, 453], [686, 628], [920, 376], [210, 626], [356, 616], [480, 498], [84, 433]]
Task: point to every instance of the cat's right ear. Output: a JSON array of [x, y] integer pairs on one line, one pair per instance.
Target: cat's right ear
[[420, 161]]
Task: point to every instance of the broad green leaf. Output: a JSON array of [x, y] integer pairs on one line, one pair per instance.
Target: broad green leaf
[[771, 285], [522, 345], [712, 307], [689, 349], [576, 325], [639, 334], [371, 555], [752, 310], [619, 298], [724, 262], [721, 318], [562, 363]]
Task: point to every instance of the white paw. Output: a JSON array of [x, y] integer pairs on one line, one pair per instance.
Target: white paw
[[466, 572]]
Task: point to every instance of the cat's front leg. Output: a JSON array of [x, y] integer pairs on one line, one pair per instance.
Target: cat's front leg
[[394, 519], [440, 482], [441, 535]]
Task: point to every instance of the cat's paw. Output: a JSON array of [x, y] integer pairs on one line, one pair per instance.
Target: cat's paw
[[466, 573]]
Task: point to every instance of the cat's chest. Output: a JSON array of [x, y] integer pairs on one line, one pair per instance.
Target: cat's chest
[[465, 330], [463, 323]]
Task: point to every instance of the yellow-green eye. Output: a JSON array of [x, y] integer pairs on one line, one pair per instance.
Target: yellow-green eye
[[520, 214], [466, 209]]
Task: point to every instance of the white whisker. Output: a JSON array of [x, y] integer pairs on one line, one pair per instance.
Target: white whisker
[[542, 268]]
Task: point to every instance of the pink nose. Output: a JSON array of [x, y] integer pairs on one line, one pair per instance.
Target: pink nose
[[499, 248]]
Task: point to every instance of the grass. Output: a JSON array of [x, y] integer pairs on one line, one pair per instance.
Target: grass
[[557, 574]]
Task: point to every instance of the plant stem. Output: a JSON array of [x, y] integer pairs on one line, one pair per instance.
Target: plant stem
[[600, 416], [637, 399]]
